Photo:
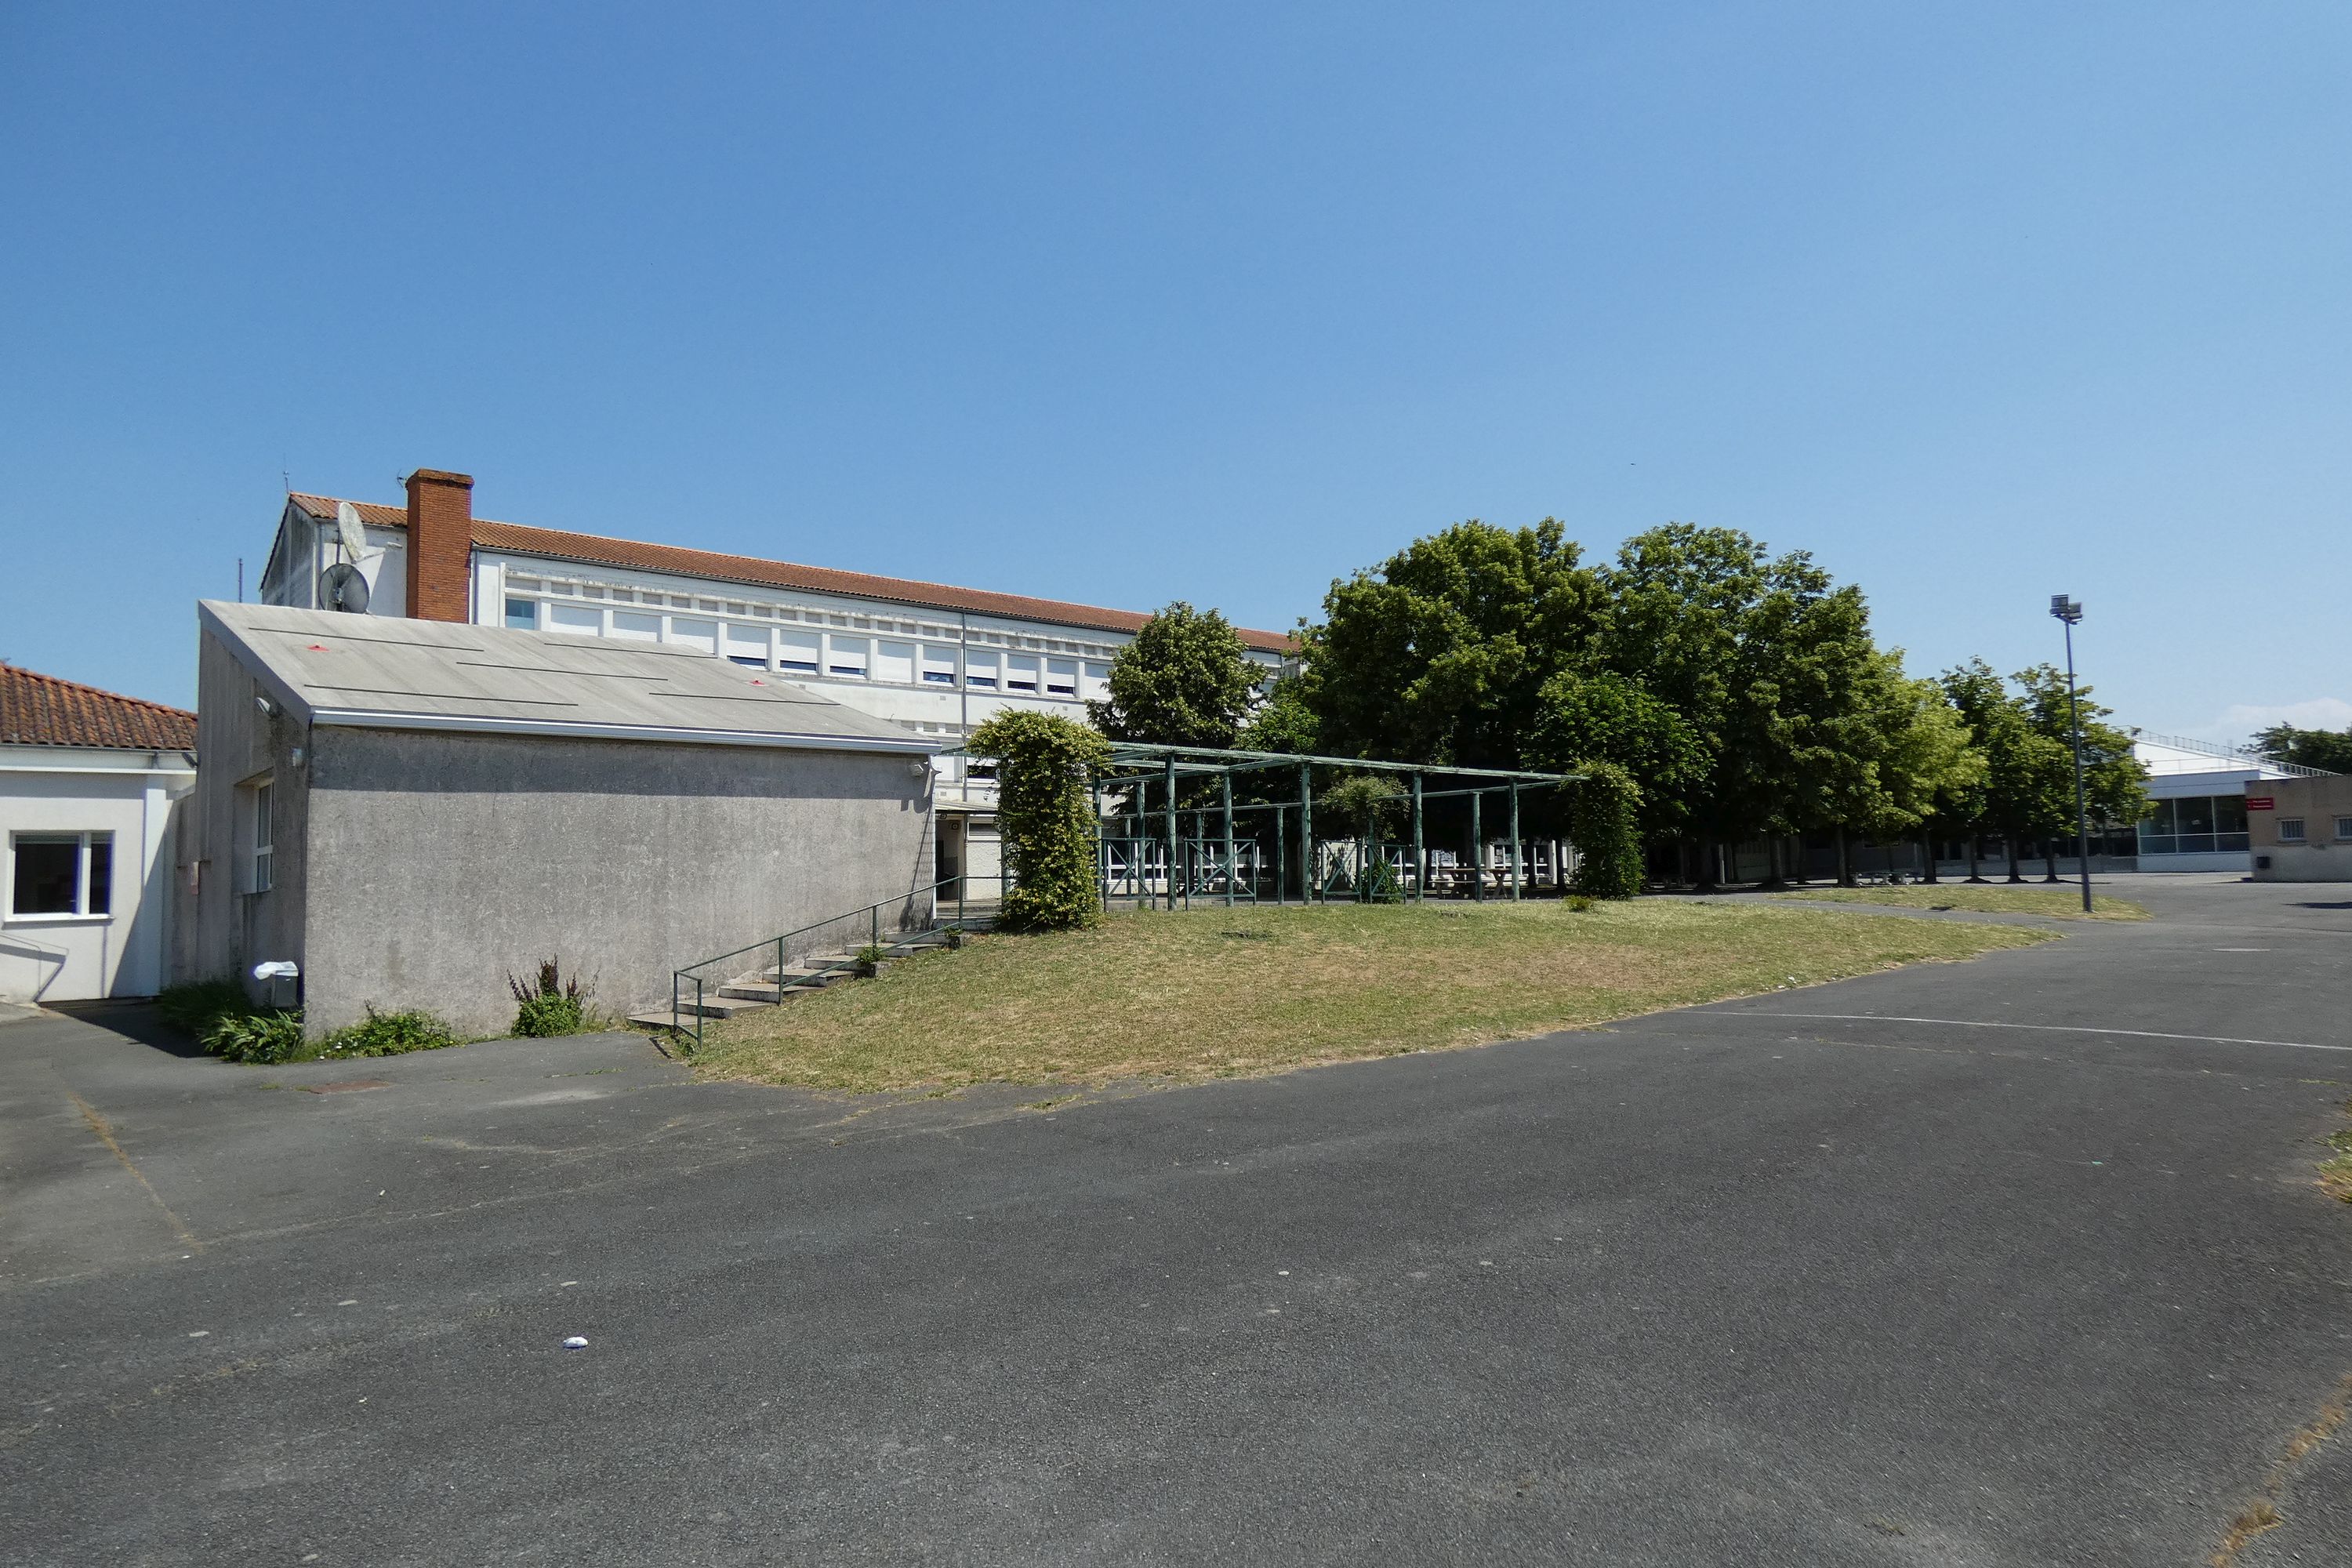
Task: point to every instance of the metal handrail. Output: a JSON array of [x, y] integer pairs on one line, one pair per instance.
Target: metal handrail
[[873, 913]]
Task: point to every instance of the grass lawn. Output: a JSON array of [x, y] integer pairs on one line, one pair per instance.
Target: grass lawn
[[1213, 993], [2063, 902]]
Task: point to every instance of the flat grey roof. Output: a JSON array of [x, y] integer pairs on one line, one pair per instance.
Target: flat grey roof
[[383, 672]]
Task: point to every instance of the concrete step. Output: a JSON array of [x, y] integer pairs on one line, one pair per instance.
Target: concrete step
[[712, 1008]]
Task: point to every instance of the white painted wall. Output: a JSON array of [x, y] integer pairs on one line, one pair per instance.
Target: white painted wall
[[61, 789]]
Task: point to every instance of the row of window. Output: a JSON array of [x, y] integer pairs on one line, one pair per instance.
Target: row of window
[[2195, 824], [660, 600], [889, 660], [60, 874], [2289, 830]]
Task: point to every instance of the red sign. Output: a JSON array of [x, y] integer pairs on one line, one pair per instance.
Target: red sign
[[2260, 803]]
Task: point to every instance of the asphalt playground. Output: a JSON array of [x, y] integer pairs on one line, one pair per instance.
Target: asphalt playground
[[2019, 1261]]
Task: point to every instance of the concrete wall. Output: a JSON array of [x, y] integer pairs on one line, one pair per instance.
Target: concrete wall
[[69, 789], [221, 925], [438, 864], [2322, 856]]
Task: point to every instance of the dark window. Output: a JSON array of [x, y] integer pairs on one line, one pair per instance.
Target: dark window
[[747, 659], [940, 676], [988, 681], [523, 615], [100, 898], [49, 875], [802, 666]]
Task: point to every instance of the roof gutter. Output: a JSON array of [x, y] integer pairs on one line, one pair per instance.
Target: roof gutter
[[579, 729]]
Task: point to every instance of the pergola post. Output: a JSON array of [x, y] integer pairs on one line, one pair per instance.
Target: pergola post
[[1226, 780], [1169, 779], [1515, 843], [1305, 834], [1102, 853], [1477, 846], [1420, 856], [1281, 855]]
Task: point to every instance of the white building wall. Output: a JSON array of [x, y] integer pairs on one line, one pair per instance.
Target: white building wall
[[936, 672], [55, 790]]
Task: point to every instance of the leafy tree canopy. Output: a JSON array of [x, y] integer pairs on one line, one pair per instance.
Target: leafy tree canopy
[[1185, 680], [1440, 652], [2330, 750]]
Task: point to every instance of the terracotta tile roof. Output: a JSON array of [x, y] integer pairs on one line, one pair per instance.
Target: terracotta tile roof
[[42, 710], [558, 545]]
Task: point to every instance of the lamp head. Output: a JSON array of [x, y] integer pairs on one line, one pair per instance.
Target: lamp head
[[2067, 610]]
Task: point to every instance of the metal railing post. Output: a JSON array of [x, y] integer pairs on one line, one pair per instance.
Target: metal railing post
[[1171, 808], [1420, 855], [1306, 889], [1478, 848], [1227, 780]]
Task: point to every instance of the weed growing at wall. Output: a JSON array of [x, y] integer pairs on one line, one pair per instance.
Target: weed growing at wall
[[549, 1002], [1044, 764]]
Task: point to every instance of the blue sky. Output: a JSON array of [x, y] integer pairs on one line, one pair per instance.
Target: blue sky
[[1126, 304]]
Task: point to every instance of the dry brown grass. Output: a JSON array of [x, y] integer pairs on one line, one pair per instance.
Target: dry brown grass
[[1215, 992]]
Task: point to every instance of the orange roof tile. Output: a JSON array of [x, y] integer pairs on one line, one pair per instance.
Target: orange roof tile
[[43, 710], [559, 545]]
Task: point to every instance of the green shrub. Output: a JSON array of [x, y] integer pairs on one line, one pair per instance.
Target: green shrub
[[1601, 805], [389, 1034], [257, 1037], [547, 1004], [1045, 763], [1581, 904], [194, 1006]]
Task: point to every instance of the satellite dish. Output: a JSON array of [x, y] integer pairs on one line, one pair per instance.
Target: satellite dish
[[354, 534], [341, 588]]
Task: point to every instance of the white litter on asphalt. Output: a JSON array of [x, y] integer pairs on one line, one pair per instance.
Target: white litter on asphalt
[[575, 1343]]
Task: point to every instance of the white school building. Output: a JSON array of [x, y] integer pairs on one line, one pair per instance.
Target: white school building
[[933, 659]]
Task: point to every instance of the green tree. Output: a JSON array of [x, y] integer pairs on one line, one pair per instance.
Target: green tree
[[1602, 716], [1045, 763], [1283, 722], [2029, 778], [1185, 680], [2327, 750], [1440, 653], [2115, 784]]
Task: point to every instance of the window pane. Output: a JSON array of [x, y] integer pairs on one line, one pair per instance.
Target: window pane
[[2160, 819], [2196, 813], [49, 868], [523, 615], [100, 898], [2229, 814], [2290, 829], [261, 839]]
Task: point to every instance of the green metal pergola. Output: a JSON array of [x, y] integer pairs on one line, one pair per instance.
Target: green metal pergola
[[1214, 863]]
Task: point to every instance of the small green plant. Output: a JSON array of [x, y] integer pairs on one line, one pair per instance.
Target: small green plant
[[256, 1038], [547, 1004], [1581, 904], [195, 1005], [389, 1034]]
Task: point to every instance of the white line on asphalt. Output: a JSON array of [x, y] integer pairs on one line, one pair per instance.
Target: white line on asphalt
[[2053, 1028]]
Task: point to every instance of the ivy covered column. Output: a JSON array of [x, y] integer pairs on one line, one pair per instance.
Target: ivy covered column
[[1046, 767]]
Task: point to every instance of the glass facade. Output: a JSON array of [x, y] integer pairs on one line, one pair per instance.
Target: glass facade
[[2195, 824]]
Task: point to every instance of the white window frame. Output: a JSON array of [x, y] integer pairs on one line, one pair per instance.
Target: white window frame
[[83, 839], [2343, 827], [2289, 830], [262, 866]]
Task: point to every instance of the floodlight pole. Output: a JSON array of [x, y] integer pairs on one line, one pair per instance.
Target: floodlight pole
[[2070, 611]]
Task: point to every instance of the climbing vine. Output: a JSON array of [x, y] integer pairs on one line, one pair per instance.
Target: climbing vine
[[1602, 807], [1043, 764]]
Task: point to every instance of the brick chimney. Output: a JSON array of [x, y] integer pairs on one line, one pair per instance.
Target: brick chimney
[[440, 545]]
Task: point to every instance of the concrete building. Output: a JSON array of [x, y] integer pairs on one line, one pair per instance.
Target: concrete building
[[932, 660], [2199, 820], [88, 782], [411, 811], [2302, 828]]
